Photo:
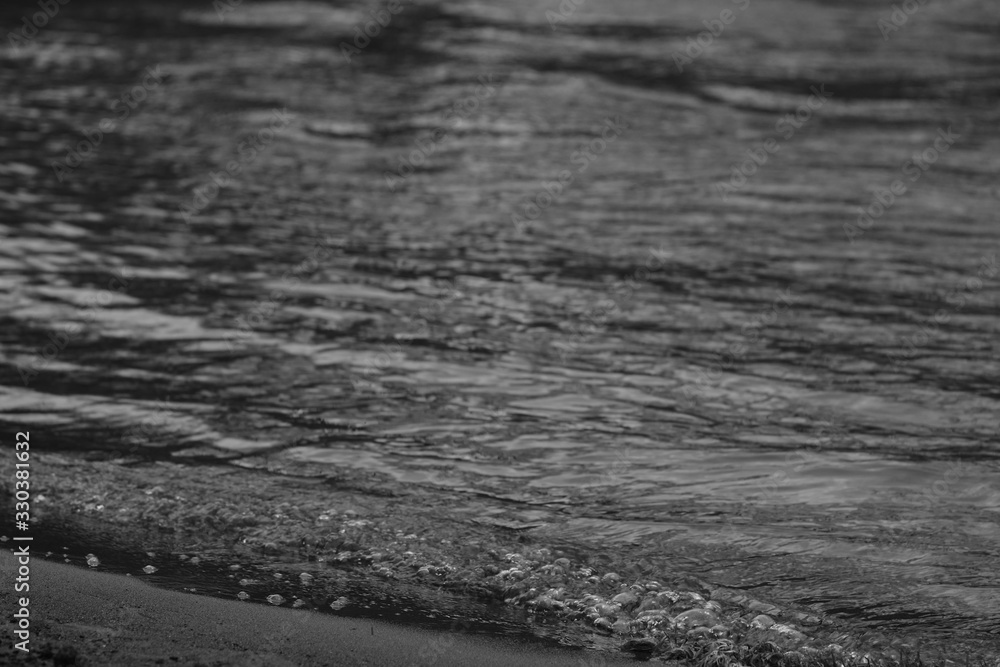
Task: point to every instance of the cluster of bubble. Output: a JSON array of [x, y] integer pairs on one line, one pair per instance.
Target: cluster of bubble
[[651, 616], [646, 611], [544, 584], [648, 616]]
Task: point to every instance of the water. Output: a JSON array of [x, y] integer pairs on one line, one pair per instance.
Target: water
[[663, 368]]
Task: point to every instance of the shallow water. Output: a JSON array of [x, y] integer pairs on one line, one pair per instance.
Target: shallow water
[[644, 372]]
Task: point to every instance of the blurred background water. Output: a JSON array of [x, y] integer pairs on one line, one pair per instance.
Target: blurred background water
[[569, 271]]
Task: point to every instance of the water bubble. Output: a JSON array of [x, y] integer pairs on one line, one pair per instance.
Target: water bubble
[[92, 560], [696, 618], [787, 631], [627, 600], [608, 610], [275, 599], [149, 569], [667, 598], [603, 624], [243, 595], [339, 603], [546, 603]]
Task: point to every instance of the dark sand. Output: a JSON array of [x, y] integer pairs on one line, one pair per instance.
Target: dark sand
[[116, 620]]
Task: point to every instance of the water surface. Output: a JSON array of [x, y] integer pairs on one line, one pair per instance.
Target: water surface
[[659, 366]]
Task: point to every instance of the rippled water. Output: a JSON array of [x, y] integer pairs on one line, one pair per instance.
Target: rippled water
[[646, 365]]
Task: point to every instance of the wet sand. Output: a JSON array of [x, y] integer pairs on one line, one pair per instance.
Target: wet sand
[[106, 619]]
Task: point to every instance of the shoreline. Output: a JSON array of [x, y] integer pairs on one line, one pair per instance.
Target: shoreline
[[195, 532], [108, 619]]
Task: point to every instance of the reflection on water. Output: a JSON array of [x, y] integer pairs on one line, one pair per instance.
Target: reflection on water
[[618, 361]]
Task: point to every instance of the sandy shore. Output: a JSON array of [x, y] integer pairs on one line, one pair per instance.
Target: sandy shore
[[107, 619]]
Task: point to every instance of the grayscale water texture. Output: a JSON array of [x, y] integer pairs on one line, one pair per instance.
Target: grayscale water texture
[[499, 277]]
